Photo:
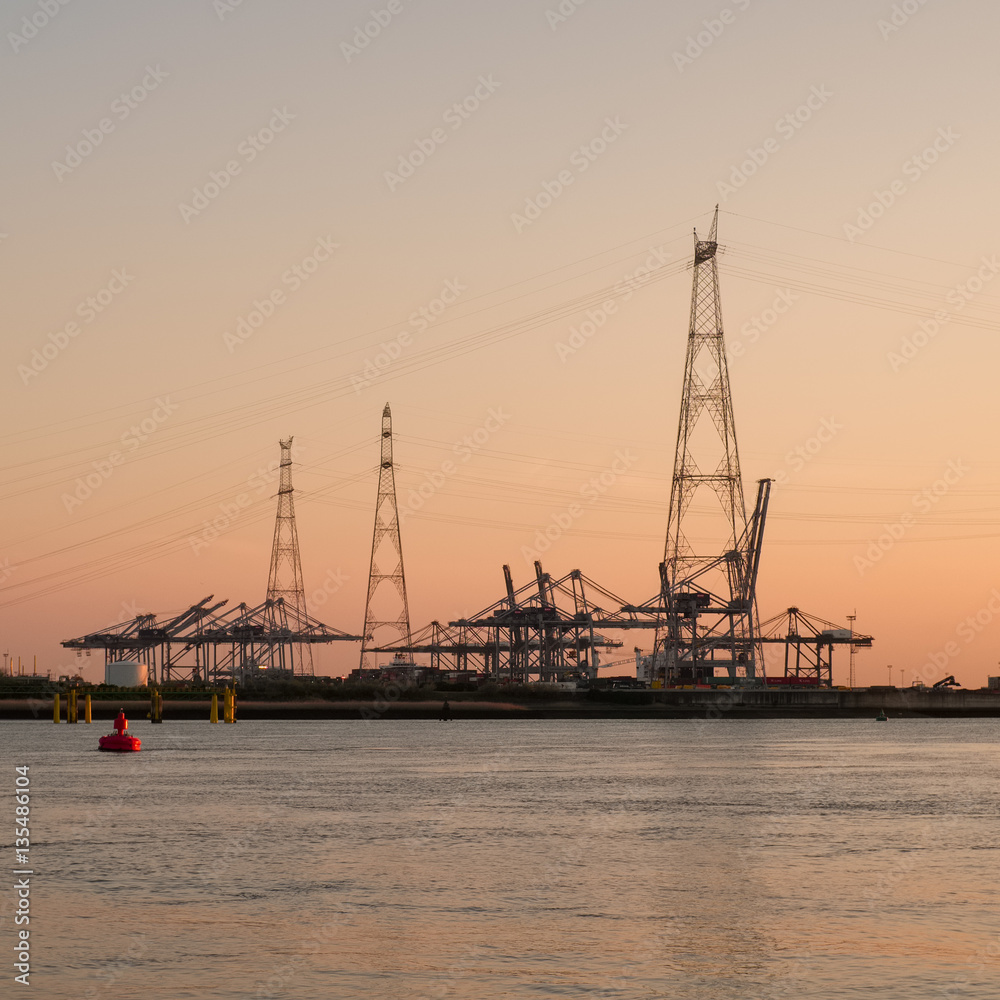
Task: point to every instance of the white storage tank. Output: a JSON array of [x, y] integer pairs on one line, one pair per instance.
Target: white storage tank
[[125, 673]]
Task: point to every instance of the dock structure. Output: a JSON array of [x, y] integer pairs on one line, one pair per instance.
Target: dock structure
[[545, 630], [708, 632], [207, 644], [809, 642]]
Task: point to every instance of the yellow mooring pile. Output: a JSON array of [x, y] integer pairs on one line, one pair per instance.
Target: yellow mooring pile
[[228, 707]]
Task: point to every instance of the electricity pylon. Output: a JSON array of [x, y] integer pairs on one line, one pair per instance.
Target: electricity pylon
[[284, 580], [381, 628], [708, 575]]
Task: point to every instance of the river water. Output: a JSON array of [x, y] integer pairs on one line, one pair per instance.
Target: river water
[[615, 859]]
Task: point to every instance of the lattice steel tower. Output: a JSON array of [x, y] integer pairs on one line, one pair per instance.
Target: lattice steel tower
[[709, 568], [285, 577], [706, 391], [387, 551]]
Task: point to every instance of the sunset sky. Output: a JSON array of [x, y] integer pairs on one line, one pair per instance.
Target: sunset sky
[[227, 223]]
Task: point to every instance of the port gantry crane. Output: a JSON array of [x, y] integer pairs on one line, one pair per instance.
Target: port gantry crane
[[706, 633], [809, 642], [540, 631], [205, 644]]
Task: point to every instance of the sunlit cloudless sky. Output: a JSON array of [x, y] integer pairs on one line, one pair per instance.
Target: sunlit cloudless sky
[[260, 198]]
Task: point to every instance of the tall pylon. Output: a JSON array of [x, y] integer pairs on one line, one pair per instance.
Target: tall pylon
[[381, 628], [285, 577], [709, 569], [705, 391]]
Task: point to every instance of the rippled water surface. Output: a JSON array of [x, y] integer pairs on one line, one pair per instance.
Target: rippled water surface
[[652, 859]]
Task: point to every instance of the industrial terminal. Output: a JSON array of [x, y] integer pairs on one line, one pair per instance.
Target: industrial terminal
[[542, 644]]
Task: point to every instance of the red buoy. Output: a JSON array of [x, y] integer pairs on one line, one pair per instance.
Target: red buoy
[[119, 741]]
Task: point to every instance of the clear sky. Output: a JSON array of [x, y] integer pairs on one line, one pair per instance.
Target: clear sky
[[226, 223]]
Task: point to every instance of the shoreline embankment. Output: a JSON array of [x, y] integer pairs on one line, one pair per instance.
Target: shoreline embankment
[[623, 704]]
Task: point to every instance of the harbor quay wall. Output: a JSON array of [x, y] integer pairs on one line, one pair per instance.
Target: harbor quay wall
[[669, 703], [832, 702]]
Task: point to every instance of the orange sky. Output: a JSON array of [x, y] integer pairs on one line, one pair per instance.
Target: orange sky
[[227, 226]]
